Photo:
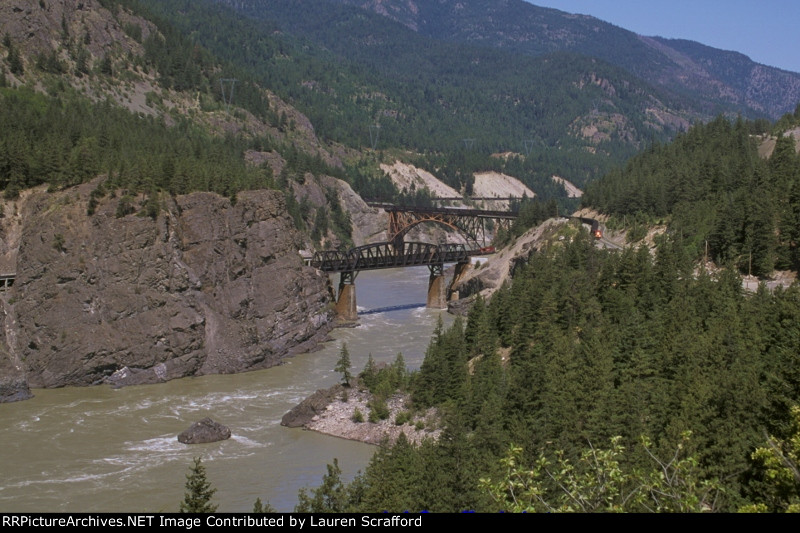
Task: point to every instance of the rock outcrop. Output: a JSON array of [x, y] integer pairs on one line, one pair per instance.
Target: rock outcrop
[[500, 267], [13, 386], [313, 406], [369, 224], [43, 27], [206, 430], [205, 287]]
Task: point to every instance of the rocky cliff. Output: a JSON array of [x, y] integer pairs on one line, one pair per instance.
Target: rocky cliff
[[204, 287], [499, 268]]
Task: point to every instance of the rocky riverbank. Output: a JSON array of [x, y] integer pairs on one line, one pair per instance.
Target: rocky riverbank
[[333, 412]]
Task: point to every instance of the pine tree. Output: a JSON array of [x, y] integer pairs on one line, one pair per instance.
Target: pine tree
[[330, 497], [370, 373], [343, 365], [198, 491], [399, 372], [260, 508]]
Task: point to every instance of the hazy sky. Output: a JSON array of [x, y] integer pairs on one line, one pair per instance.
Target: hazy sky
[[768, 31]]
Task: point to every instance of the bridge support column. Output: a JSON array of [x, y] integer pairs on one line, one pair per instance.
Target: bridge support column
[[437, 288], [460, 271], [346, 302]]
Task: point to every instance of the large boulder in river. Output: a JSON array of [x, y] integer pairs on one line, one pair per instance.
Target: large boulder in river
[[206, 430]]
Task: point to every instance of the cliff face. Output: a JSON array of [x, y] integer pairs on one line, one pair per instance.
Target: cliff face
[[205, 287], [369, 224], [43, 27]]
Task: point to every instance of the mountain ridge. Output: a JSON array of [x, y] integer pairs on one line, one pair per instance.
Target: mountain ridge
[[534, 30]]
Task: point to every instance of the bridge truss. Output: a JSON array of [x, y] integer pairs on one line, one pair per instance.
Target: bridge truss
[[387, 255], [470, 222]]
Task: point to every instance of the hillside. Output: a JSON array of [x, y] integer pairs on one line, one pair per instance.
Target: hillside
[[572, 190], [715, 187], [143, 212], [580, 117], [410, 178], [633, 379], [422, 74], [767, 146], [488, 184], [727, 79], [107, 52], [573, 93], [95, 87]]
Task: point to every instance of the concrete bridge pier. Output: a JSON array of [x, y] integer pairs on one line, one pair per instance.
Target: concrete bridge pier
[[460, 271], [346, 302], [437, 288]]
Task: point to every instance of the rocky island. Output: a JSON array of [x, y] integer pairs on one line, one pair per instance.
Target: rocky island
[[334, 411]]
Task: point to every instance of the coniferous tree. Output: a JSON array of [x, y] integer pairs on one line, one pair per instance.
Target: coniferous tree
[[330, 497], [369, 374], [199, 492], [343, 365], [259, 507]]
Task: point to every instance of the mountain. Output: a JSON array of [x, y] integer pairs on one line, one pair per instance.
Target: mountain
[[730, 76], [353, 72], [728, 79], [148, 230], [574, 95]]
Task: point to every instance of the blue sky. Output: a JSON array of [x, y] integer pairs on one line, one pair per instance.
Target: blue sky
[[768, 31]]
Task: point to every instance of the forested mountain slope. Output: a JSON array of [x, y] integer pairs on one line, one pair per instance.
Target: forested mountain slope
[[93, 88], [599, 380], [503, 76], [727, 79], [350, 70], [586, 351], [712, 187]]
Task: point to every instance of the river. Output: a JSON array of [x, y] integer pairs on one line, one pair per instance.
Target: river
[[102, 450]]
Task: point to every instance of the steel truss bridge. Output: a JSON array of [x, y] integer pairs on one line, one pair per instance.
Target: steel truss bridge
[[397, 253], [387, 255], [390, 255], [469, 222]]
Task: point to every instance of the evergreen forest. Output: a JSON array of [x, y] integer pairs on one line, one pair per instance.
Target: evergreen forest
[[613, 367], [397, 83], [637, 380], [716, 193], [66, 140]]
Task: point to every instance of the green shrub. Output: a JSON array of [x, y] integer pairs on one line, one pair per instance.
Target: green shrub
[[378, 410]]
